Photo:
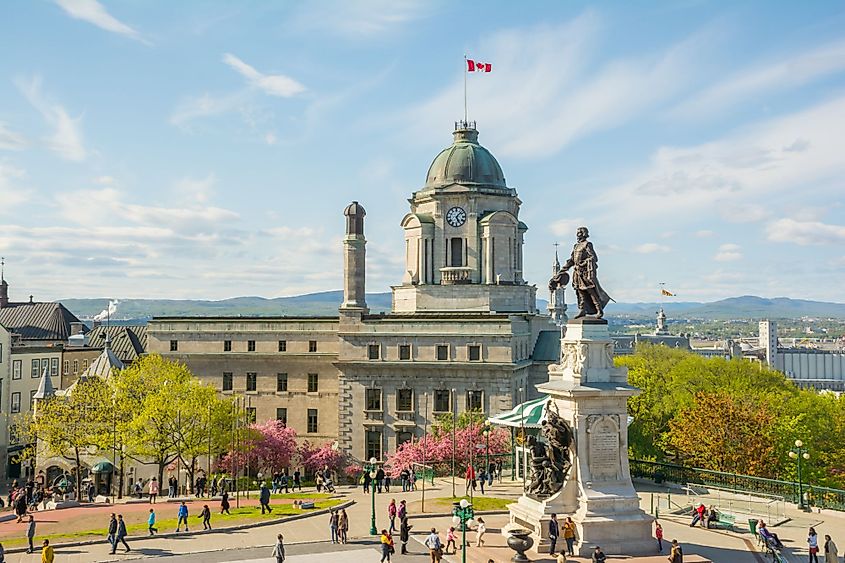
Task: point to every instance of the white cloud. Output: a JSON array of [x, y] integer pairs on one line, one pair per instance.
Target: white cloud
[[271, 84], [66, 139], [206, 105], [547, 89], [728, 252], [744, 212], [762, 80], [195, 190], [11, 140], [359, 19], [651, 248], [704, 233], [270, 138], [11, 192], [93, 12], [805, 232], [104, 180], [567, 227]]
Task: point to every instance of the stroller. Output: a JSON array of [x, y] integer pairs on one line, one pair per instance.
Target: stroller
[[328, 485]]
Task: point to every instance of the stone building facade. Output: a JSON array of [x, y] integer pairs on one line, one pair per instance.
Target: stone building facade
[[464, 332]]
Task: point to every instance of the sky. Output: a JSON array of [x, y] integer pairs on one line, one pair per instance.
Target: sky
[[207, 149]]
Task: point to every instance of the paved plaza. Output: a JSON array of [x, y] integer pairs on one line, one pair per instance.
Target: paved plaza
[[307, 539]]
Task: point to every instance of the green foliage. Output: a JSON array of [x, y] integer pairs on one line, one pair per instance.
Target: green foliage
[[711, 412], [443, 422]]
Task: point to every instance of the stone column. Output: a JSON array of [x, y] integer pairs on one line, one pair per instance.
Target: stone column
[[591, 394]]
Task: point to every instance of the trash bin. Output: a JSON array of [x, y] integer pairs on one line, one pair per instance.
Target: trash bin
[[752, 525]]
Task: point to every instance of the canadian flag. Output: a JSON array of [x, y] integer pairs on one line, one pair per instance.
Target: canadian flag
[[475, 66]]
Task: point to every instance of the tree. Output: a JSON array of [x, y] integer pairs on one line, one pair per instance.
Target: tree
[[68, 425], [723, 432], [319, 458], [270, 446]]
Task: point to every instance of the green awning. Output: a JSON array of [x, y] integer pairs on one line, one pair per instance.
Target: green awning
[[102, 467], [529, 414]]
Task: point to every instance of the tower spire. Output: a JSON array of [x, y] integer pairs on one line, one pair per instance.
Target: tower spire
[[4, 287]]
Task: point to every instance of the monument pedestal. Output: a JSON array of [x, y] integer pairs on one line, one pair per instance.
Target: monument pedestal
[[591, 394]]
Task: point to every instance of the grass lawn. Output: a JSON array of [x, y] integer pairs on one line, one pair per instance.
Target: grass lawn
[[479, 503], [243, 515]]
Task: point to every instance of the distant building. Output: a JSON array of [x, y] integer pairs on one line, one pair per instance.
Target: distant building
[[627, 344]]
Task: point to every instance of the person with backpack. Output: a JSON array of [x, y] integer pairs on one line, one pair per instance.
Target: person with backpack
[[435, 547], [264, 498], [279, 549], [121, 534]]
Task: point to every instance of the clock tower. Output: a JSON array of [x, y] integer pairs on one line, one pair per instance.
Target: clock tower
[[464, 230]]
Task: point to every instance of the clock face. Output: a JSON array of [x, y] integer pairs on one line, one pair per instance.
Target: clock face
[[456, 216]]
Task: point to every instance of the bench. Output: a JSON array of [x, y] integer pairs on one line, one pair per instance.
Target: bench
[[726, 520]]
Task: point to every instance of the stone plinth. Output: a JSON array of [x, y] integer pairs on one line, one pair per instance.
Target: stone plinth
[[591, 394]]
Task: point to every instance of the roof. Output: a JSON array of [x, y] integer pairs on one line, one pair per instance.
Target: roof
[[45, 386], [38, 321], [127, 341], [547, 348], [528, 414], [465, 162], [103, 364]]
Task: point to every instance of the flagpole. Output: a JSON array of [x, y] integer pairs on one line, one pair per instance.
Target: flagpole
[[465, 89]]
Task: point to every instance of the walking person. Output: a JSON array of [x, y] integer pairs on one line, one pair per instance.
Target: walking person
[[224, 503], [391, 514], [182, 516], [813, 545], [151, 522], [121, 534], [658, 533], [402, 512], [343, 525], [367, 481], [264, 498], [676, 554], [206, 517], [379, 479], [48, 555], [569, 535], [554, 532], [435, 547], [387, 548], [297, 480], [482, 479], [451, 539], [831, 554], [171, 486], [112, 537], [404, 534], [153, 490], [283, 482], [334, 524], [279, 549], [30, 533], [480, 530]]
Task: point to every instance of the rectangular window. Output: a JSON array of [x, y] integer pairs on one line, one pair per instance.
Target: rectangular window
[[227, 345], [373, 400], [45, 365], [404, 400], [373, 351], [313, 382], [174, 345], [442, 400], [404, 351], [402, 437], [32, 399], [227, 381], [16, 369], [312, 421], [282, 415], [281, 382], [65, 367], [250, 345], [16, 402], [34, 370], [75, 367], [442, 352], [373, 445], [312, 345], [474, 352], [54, 366], [475, 401], [84, 365], [251, 414], [251, 381], [283, 345]]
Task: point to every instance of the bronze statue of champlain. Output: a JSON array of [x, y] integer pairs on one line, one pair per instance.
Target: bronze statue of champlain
[[592, 299]]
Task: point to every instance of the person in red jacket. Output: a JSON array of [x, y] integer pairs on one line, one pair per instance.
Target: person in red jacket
[[470, 477]]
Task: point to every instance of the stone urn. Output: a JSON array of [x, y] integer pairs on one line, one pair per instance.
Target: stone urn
[[520, 541]]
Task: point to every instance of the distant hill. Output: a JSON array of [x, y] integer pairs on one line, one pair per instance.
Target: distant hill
[[327, 302]]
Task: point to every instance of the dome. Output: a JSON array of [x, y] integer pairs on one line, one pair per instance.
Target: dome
[[465, 162], [354, 209]]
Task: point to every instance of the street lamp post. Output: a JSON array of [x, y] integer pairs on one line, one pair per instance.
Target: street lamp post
[[798, 453], [454, 435], [486, 433], [462, 515], [371, 469]]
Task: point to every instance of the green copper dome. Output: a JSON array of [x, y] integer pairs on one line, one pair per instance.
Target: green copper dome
[[465, 162]]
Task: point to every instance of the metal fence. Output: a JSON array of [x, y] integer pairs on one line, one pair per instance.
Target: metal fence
[[821, 497]]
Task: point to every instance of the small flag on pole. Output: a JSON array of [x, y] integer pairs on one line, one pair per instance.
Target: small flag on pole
[[666, 293], [475, 66]]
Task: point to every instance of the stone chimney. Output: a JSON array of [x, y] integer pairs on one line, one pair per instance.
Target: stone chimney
[[354, 261]]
